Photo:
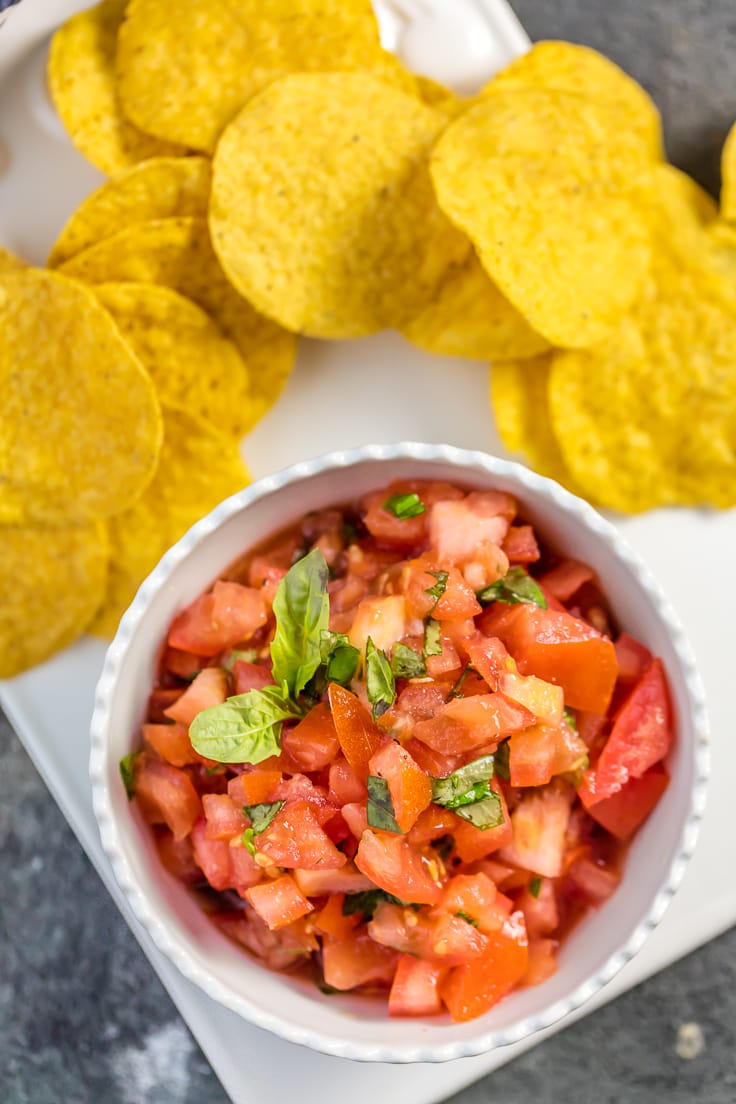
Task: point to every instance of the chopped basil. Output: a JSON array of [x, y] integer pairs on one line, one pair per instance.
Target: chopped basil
[[245, 728], [501, 761], [439, 587], [468, 793], [432, 637], [380, 807], [467, 918], [457, 687], [247, 838], [406, 663], [302, 610], [404, 506], [260, 816], [339, 657], [368, 901], [248, 655], [484, 814], [534, 886], [379, 680], [570, 718], [515, 587], [126, 766]]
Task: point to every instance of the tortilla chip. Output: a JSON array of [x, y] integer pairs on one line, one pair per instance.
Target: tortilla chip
[[9, 263]]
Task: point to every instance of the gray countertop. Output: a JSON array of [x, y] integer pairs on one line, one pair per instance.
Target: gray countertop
[[83, 1019]]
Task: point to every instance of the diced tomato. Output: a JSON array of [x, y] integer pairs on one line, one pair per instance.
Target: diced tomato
[[539, 822], [330, 920], [542, 961], [245, 870], [356, 817], [159, 701], [432, 824], [432, 762], [409, 787], [359, 737], [594, 880], [565, 650], [182, 664], [566, 578], [356, 960], [224, 818], [542, 751], [295, 839], [229, 614], [627, 810], [641, 736], [280, 950], [457, 528], [250, 676], [345, 786], [545, 700], [208, 688], [172, 743], [590, 727], [279, 902], [391, 531], [540, 909], [313, 743], [441, 937], [212, 857], [498, 619], [446, 664], [178, 857], [471, 990], [346, 879], [382, 619], [166, 795], [633, 659], [254, 788], [396, 867], [415, 990], [473, 843], [520, 545], [466, 724], [489, 658], [475, 895]]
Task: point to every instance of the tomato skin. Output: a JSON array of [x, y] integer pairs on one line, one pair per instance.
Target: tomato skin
[[415, 990], [172, 743], [166, 795], [279, 902], [472, 989], [566, 578], [641, 736], [359, 738], [466, 724], [208, 688], [228, 615], [520, 545], [294, 838], [409, 786], [627, 810], [564, 650], [393, 864], [313, 743], [357, 960], [250, 676]]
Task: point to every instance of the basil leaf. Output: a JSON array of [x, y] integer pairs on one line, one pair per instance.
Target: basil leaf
[[534, 887], [260, 816], [406, 663], [404, 506], [302, 610], [501, 761], [379, 679], [249, 655], [247, 838], [467, 918], [339, 656], [244, 729], [484, 814], [367, 901], [457, 688], [380, 807], [459, 788], [516, 586], [127, 767], [570, 718], [439, 587], [432, 637]]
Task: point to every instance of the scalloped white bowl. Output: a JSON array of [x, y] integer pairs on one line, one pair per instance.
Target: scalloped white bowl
[[359, 1028]]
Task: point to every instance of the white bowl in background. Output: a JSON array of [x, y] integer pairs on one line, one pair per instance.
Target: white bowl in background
[[359, 1027]]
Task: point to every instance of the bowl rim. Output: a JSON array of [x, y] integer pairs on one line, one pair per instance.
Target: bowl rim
[[176, 949]]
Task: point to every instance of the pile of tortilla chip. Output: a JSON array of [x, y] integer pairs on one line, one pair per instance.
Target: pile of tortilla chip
[[274, 172]]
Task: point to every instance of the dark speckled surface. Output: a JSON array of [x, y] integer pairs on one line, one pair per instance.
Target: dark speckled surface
[[83, 1019]]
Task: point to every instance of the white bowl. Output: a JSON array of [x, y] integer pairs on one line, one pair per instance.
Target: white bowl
[[346, 1026]]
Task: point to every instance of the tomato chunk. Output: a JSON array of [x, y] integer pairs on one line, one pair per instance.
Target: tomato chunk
[[357, 960], [229, 614], [295, 839], [208, 688], [313, 743], [627, 810], [250, 676], [415, 990], [520, 545], [409, 786], [172, 743], [396, 867], [539, 824], [359, 737], [472, 989], [566, 578], [224, 818], [279, 902], [465, 724], [166, 795], [539, 753]]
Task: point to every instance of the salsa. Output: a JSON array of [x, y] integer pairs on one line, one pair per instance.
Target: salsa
[[403, 747]]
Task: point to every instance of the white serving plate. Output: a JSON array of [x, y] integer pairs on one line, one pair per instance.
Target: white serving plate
[[341, 395]]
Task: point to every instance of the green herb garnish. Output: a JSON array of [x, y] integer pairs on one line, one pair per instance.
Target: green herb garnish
[[127, 767], [569, 716], [339, 657], [432, 637], [368, 901], [260, 816], [534, 887], [439, 587], [379, 680], [457, 687], [380, 808], [404, 506], [501, 761], [245, 728], [468, 793], [406, 663], [467, 918], [247, 655], [516, 586]]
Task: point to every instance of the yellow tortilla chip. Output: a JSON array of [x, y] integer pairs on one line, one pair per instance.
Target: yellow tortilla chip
[[81, 77], [192, 365], [10, 263], [80, 425], [569, 254], [443, 99], [570, 67], [198, 468], [728, 177], [177, 254], [322, 211], [186, 67], [469, 317], [521, 409], [159, 188], [51, 585]]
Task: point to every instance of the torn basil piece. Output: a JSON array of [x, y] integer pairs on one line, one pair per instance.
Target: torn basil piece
[[517, 586], [380, 807]]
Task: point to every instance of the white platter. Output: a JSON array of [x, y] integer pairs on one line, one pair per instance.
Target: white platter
[[341, 395]]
